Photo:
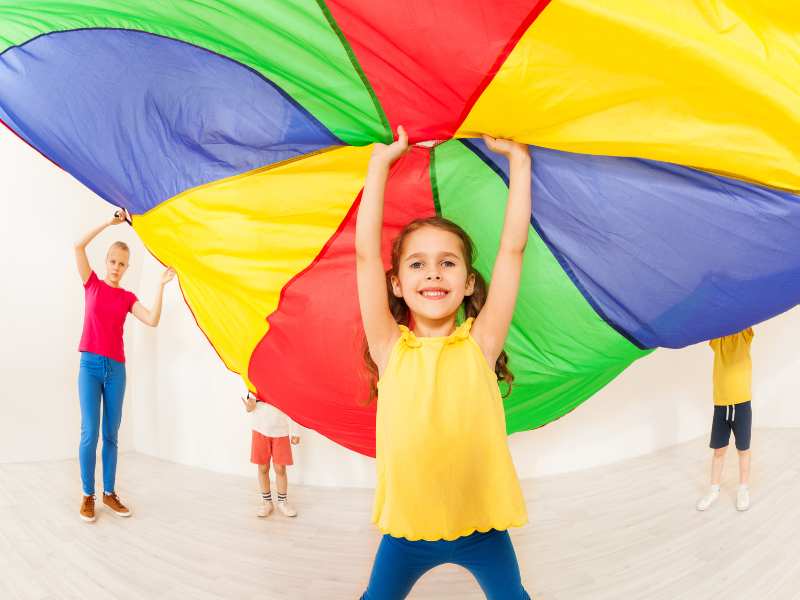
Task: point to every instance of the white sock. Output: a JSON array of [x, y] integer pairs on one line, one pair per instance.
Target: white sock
[[743, 486], [715, 488]]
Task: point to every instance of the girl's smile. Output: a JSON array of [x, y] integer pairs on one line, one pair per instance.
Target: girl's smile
[[434, 293]]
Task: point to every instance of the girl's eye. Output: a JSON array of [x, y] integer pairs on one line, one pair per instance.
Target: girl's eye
[[416, 265], [448, 263]]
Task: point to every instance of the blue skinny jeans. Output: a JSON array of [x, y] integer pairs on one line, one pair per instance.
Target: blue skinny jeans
[[101, 381]]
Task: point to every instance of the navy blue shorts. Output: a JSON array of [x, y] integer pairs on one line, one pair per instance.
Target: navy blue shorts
[[737, 418], [488, 556]]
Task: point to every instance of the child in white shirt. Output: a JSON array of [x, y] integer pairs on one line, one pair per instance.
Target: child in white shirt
[[274, 433]]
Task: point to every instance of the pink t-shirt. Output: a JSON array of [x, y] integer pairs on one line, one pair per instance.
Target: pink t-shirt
[[104, 317]]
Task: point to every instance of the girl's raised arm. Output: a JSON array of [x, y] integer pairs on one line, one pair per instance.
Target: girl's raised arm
[[81, 260], [491, 325], [379, 325], [152, 316]]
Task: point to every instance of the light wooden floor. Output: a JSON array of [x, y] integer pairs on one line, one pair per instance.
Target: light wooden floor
[[628, 531]]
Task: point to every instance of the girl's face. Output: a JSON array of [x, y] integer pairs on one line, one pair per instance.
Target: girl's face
[[432, 276], [116, 264]]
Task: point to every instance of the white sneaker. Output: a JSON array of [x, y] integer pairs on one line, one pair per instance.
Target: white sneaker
[[743, 499], [265, 509], [706, 501], [287, 509]]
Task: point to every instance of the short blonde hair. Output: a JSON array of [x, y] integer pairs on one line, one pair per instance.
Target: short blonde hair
[[120, 245]]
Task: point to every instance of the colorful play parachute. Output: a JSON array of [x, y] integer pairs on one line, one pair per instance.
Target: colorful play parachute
[[666, 145]]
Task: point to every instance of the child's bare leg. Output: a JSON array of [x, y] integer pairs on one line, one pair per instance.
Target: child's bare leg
[[263, 478], [717, 463], [744, 467], [743, 495], [283, 484], [281, 480], [265, 506]]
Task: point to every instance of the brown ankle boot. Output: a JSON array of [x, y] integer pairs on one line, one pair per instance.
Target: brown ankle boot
[[117, 507], [87, 509]]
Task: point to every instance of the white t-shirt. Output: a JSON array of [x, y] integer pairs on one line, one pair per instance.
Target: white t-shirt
[[270, 421]]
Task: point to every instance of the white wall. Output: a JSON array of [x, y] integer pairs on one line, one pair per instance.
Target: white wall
[[183, 405]]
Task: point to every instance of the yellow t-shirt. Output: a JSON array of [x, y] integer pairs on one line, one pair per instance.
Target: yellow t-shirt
[[732, 368], [443, 465]]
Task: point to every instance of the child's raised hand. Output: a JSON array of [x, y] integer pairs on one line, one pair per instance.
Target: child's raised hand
[[387, 154], [120, 216], [167, 276], [507, 148], [249, 402], [295, 439]]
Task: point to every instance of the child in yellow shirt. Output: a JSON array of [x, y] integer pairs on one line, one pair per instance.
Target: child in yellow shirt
[[732, 412], [447, 490]]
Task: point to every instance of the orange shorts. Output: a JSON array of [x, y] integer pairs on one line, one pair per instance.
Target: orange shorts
[[265, 448]]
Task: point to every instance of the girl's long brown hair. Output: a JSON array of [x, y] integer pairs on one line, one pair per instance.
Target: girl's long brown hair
[[471, 306]]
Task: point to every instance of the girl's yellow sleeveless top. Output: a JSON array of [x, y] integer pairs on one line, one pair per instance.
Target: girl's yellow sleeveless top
[[444, 468]]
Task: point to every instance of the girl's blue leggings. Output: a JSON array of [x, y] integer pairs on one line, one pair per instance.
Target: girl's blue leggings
[[100, 380], [488, 556]]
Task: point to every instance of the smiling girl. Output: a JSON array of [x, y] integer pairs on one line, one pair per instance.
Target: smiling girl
[[447, 490]]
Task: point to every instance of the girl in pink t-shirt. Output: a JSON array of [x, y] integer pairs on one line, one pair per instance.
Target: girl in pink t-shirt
[[101, 378]]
